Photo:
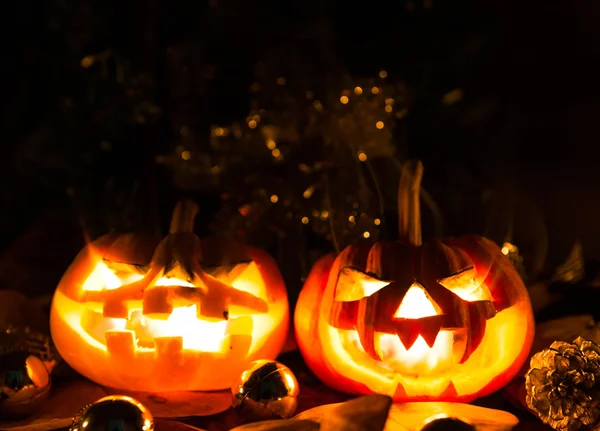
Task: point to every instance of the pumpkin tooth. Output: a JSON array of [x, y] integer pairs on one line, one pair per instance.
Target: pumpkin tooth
[[430, 336], [408, 337], [158, 302], [400, 394], [429, 331], [120, 343], [450, 391], [115, 309], [168, 350], [214, 308]]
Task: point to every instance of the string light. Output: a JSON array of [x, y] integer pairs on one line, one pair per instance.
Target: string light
[[87, 61], [308, 192], [453, 96], [340, 124]]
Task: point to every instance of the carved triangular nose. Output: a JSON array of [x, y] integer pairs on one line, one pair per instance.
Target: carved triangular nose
[[416, 304]]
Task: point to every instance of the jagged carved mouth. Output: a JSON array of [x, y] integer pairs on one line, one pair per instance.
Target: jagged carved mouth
[[173, 314], [415, 338]]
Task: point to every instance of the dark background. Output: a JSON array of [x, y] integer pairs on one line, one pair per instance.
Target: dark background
[[515, 159]]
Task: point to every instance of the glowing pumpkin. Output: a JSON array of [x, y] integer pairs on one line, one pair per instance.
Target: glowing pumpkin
[[447, 320], [177, 321]]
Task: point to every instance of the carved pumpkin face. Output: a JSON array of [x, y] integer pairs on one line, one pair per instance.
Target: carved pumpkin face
[[189, 318], [445, 320]]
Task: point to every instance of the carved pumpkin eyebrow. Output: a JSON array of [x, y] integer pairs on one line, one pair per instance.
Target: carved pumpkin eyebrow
[[125, 267], [459, 277], [354, 284], [226, 273]]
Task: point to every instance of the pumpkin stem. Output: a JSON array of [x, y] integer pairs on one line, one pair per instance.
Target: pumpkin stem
[[409, 209], [183, 217]]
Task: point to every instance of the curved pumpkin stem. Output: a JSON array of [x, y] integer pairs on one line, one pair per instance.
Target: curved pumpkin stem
[[409, 209], [183, 218]]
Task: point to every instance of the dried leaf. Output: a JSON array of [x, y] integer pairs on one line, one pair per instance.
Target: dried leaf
[[413, 416], [171, 425], [366, 413], [573, 269], [281, 425]]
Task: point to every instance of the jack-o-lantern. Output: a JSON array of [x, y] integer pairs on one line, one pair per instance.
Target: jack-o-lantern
[[446, 320], [188, 317]]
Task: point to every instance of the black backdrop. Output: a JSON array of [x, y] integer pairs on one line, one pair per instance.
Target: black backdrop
[[528, 68]]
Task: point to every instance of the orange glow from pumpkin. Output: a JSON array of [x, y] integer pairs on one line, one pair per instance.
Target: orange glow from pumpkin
[[184, 322], [502, 343], [419, 359], [102, 278], [125, 352]]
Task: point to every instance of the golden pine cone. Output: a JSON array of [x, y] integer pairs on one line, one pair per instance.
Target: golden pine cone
[[563, 384]]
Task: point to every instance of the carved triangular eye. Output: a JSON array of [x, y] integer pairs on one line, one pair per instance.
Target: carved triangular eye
[[467, 285], [227, 273], [354, 284]]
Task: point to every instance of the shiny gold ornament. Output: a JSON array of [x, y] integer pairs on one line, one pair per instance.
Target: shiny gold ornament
[[24, 384], [116, 412], [561, 384], [266, 390], [24, 339], [447, 424]]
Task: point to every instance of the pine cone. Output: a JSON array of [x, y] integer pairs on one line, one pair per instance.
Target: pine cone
[[563, 384]]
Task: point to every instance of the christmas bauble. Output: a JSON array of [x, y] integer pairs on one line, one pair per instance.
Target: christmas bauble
[[116, 412], [266, 390], [447, 424], [24, 383]]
